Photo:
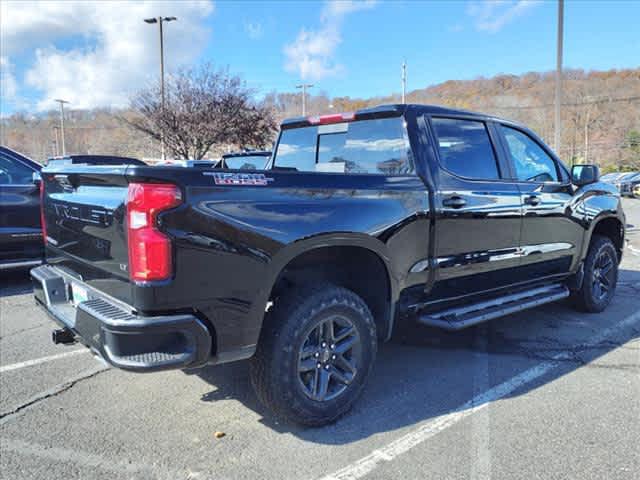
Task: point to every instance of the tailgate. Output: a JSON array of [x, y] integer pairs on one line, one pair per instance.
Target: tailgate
[[84, 212]]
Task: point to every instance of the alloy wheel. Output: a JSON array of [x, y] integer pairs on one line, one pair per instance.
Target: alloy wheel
[[328, 358], [603, 277]]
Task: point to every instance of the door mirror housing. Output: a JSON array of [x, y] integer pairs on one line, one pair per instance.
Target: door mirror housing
[[36, 178], [584, 174]]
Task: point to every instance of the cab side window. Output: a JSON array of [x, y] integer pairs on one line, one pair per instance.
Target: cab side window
[[531, 162]]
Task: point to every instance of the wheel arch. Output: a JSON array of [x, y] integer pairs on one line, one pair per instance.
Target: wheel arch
[[347, 260], [610, 226]]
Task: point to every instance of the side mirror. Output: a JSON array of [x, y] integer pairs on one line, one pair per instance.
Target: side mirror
[[36, 178], [584, 174]]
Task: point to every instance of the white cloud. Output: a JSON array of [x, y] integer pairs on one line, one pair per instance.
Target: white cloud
[[8, 86], [253, 30], [379, 145], [98, 53], [340, 8], [491, 15], [310, 55]]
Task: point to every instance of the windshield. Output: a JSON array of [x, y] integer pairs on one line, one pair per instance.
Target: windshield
[[627, 176], [378, 146]]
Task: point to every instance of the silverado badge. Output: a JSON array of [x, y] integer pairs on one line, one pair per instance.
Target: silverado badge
[[224, 178]]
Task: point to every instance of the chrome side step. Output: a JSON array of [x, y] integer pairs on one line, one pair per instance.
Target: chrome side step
[[469, 315]]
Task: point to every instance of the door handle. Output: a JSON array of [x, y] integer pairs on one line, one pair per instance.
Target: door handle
[[454, 202], [532, 200]]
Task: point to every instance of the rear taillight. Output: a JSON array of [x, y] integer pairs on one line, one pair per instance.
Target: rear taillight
[[150, 256], [43, 224]]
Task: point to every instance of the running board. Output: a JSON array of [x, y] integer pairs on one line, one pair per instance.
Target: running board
[[10, 265], [469, 315]]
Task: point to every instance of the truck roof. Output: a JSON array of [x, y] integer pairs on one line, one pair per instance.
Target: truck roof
[[386, 110]]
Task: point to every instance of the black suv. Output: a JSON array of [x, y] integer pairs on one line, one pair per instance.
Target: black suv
[[20, 233], [627, 184]]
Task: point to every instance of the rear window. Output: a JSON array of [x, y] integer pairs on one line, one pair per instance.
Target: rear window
[[378, 146], [248, 162]]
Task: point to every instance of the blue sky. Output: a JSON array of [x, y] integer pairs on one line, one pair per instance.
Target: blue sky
[[98, 53]]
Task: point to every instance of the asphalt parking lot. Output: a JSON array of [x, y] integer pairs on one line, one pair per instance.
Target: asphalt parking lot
[[547, 393]]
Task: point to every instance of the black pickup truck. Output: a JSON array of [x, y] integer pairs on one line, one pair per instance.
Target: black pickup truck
[[360, 221]]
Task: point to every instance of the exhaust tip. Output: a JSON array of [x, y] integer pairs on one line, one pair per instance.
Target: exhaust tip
[[63, 336]]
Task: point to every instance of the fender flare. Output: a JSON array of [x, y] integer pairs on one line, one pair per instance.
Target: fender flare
[[293, 250], [594, 223]]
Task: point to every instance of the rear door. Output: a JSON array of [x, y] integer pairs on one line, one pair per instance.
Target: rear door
[[20, 234], [550, 236], [478, 210]]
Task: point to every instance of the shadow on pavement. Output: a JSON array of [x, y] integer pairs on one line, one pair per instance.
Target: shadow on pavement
[[424, 372], [15, 282]]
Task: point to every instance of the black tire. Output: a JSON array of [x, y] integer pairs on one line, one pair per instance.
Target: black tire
[[291, 337], [600, 276]]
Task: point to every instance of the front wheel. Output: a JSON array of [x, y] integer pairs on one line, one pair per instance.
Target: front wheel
[[600, 276], [315, 354]]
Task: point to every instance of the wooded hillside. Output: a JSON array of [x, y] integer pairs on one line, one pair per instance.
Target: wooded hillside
[[600, 116]]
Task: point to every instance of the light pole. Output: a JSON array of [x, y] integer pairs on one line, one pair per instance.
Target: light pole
[[558, 100], [56, 141], [304, 87], [160, 21], [404, 81], [62, 102]]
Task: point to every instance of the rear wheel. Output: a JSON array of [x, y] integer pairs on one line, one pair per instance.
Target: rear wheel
[[315, 354], [600, 276]]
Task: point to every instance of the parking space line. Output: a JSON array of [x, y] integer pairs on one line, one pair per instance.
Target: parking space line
[[431, 428], [481, 423], [38, 361]]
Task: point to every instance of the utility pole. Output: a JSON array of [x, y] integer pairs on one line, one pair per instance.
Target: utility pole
[[404, 81], [304, 87], [62, 102], [558, 101], [160, 21]]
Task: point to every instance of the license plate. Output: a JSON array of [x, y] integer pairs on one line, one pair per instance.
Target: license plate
[[78, 294]]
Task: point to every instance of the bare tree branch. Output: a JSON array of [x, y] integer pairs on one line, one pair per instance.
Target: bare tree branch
[[204, 107]]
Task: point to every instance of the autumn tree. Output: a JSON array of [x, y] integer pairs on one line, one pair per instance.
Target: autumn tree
[[632, 148], [600, 109], [204, 107]]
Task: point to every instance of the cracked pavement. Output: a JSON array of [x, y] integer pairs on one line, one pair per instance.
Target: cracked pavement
[[71, 417]]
